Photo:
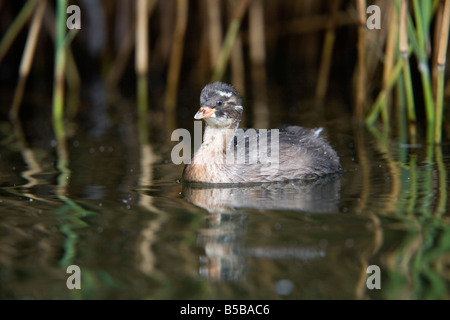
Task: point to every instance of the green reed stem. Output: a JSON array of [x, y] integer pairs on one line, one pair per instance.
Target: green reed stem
[[409, 89], [226, 50], [376, 108], [58, 97], [230, 38], [421, 35], [61, 44], [428, 96], [420, 27], [17, 25], [73, 79], [60, 61], [401, 118]]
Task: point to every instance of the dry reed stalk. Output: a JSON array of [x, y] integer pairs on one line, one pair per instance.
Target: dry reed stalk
[[390, 50], [173, 77], [258, 64], [27, 58], [123, 42], [373, 51], [237, 66], [443, 39], [441, 62], [237, 59], [443, 42], [141, 66], [142, 46], [202, 66], [120, 62], [403, 36], [362, 74], [327, 52], [214, 30], [142, 54], [436, 39], [123, 21], [126, 42]]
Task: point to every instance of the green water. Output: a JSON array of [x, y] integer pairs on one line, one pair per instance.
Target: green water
[[121, 215]]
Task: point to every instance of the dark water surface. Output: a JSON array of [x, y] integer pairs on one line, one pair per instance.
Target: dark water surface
[[121, 215]]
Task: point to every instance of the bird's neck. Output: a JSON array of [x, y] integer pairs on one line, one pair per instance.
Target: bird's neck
[[215, 143]]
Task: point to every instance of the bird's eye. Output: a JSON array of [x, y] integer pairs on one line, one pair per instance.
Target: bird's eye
[[219, 103]]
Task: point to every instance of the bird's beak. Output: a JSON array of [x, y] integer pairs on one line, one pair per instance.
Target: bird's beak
[[204, 112]]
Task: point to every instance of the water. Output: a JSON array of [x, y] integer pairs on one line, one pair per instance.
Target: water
[[136, 232]]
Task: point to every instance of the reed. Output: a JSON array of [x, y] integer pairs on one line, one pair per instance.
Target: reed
[[414, 30], [59, 71], [62, 41], [441, 62], [229, 40], [419, 40], [238, 69], [17, 25], [381, 97], [142, 53], [176, 57], [361, 97], [404, 52], [327, 52], [214, 29], [258, 64], [124, 36], [27, 58], [72, 75], [400, 113], [407, 32], [389, 60]]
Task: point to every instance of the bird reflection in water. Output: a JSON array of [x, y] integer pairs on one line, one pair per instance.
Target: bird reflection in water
[[225, 258]]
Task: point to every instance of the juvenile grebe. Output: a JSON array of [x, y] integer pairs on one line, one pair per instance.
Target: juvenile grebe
[[292, 153]]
